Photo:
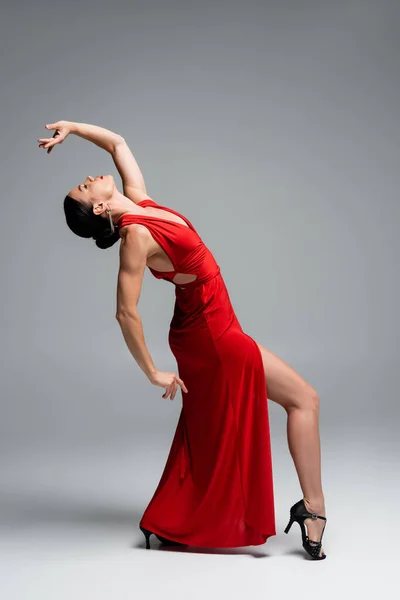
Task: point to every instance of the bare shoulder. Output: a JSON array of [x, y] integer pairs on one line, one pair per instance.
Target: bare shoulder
[[134, 233], [137, 245]]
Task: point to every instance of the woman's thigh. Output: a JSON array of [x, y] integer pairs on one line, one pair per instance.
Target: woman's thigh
[[284, 385]]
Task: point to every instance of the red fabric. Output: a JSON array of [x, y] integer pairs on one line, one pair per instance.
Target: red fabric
[[216, 489]]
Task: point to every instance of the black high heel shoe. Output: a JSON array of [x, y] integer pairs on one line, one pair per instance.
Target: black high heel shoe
[[299, 513], [166, 541]]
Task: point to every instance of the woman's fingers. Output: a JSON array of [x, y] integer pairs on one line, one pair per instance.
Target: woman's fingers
[[44, 143], [48, 143], [61, 132], [183, 386], [172, 388], [57, 140], [174, 391], [170, 391], [53, 125]]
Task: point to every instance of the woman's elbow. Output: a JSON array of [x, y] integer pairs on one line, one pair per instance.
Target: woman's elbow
[[118, 139], [124, 314]]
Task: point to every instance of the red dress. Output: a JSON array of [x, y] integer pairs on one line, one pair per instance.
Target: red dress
[[216, 489]]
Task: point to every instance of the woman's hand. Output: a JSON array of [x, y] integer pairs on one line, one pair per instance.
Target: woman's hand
[[168, 380], [63, 129]]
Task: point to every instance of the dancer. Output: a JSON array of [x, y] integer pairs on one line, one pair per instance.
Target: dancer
[[216, 489]]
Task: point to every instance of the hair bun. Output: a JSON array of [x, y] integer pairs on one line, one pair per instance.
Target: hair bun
[[105, 239], [105, 233]]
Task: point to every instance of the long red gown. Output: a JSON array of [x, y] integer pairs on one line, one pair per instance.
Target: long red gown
[[216, 489]]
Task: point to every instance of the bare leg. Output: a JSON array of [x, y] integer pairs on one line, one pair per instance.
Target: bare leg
[[301, 402]]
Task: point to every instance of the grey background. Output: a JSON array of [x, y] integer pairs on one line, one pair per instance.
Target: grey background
[[274, 127]]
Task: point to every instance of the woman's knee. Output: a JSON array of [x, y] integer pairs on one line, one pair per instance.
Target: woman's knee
[[285, 386]]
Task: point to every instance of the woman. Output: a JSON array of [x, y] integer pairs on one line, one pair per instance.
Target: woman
[[216, 489]]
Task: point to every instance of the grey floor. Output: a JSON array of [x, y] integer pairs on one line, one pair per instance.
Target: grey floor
[[69, 526]]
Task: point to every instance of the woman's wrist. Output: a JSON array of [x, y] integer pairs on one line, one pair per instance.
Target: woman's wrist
[[151, 374], [70, 125]]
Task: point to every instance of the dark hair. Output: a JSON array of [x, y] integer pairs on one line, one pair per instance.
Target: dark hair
[[83, 222]]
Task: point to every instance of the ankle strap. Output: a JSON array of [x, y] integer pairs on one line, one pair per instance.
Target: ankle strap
[[313, 516]]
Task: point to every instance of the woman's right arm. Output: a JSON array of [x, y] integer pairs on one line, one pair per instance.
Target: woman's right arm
[[127, 166], [104, 138], [115, 144]]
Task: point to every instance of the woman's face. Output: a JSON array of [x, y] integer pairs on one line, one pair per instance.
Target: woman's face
[[94, 189]]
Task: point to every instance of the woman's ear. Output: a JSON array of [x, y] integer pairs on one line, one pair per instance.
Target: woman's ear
[[99, 208]]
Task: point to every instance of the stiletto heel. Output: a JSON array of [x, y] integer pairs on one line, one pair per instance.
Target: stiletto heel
[[299, 513], [147, 535], [288, 526]]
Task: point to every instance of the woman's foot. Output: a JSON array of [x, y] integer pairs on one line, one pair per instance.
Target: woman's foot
[[169, 542], [315, 526]]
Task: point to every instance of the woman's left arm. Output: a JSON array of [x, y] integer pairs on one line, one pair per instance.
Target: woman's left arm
[[134, 250]]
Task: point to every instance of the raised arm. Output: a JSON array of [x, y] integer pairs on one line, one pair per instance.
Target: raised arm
[[133, 183], [132, 179]]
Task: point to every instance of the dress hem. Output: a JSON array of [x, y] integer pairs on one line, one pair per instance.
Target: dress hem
[[211, 545]]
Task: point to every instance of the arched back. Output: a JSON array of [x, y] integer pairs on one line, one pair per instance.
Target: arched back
[[183, 245]]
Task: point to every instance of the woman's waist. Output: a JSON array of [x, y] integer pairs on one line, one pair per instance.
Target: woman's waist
[[207, 302], [201, 278]]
